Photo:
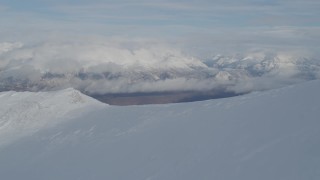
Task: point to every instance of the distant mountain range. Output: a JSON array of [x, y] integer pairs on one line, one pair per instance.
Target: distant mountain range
[[224, 70], [100, 70]]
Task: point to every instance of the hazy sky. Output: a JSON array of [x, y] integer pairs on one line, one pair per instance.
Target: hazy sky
[[38, 36], [140, 16], [201, 24]]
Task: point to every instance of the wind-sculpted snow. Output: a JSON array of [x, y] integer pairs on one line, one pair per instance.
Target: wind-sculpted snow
[[24, 113], [262, 135]]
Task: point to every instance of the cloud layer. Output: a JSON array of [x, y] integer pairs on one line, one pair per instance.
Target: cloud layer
[[129, 67]]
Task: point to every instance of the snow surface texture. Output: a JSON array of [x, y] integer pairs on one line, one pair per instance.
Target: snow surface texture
[[25, 113], [263, 135]]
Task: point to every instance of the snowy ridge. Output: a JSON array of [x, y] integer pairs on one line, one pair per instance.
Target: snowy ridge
[[262, 135], [23, 113]]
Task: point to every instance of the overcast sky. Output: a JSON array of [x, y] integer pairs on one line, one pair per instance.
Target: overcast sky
[[41, 35], [200, 24]]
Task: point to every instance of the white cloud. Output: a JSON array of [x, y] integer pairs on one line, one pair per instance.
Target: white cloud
[[143, 36], [6, 46], [120, 66]]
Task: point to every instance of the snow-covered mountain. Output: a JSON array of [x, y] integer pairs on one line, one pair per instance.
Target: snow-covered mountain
[[98, 69], [66, 135], [260, 64], [25, 113]]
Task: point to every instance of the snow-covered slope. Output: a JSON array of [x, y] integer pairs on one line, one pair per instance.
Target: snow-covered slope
[[264, 135]]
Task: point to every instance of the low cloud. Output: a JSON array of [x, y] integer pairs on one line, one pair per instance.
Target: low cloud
[[120, 66], [96, 47]]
